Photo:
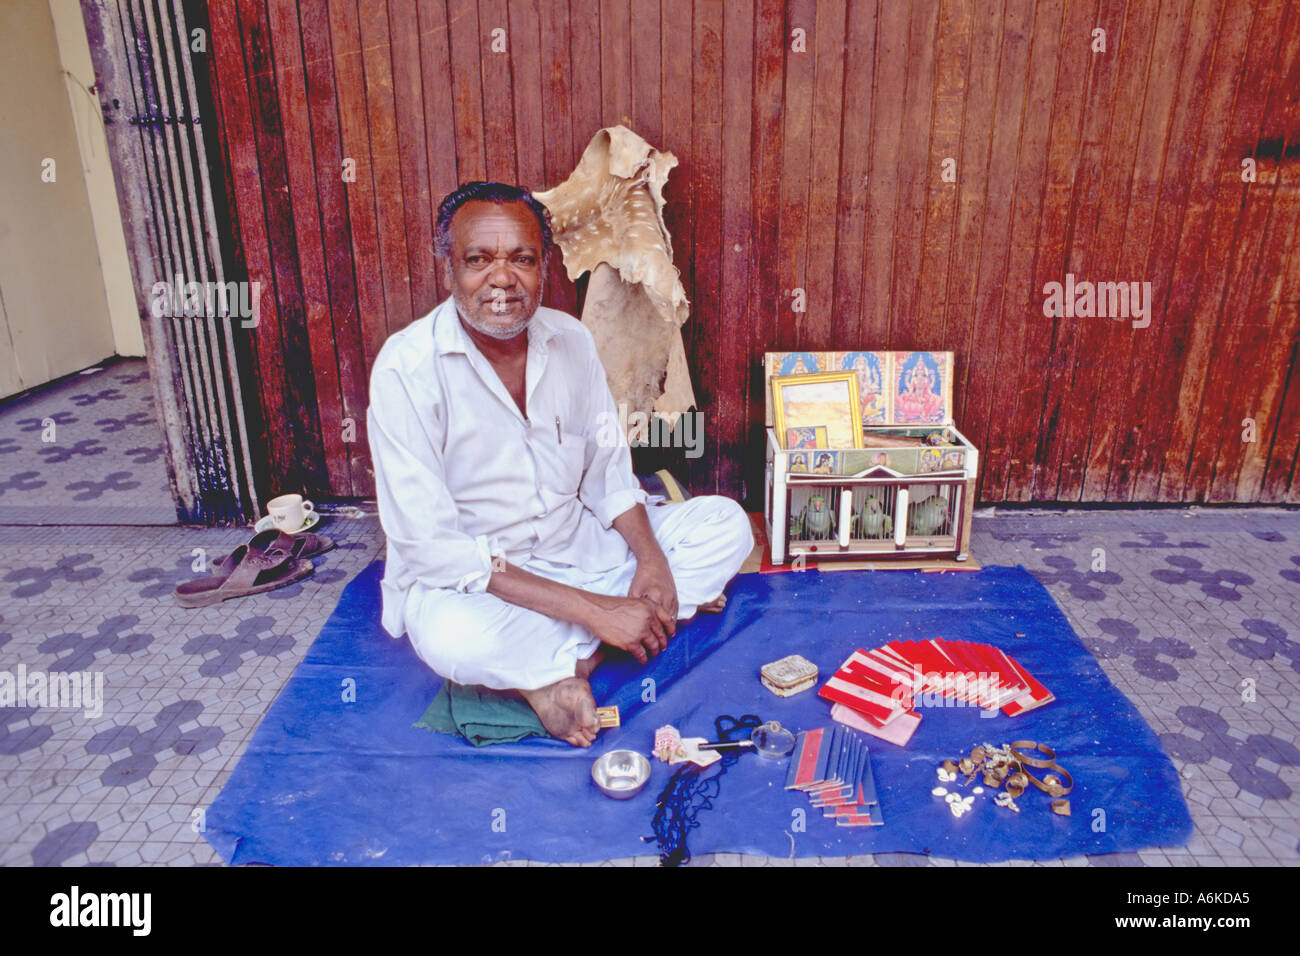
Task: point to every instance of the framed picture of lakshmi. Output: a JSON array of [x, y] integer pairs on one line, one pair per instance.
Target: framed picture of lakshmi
[[920, 388]]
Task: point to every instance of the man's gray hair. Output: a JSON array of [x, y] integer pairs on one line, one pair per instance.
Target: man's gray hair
[[488, 192]]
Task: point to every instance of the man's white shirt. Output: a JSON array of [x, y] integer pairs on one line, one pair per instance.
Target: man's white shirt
[[461, 476]]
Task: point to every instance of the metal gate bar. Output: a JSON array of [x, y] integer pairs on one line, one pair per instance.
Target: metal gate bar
[[154, 116]]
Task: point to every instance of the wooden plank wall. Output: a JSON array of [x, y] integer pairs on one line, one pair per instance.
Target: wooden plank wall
[[812, 138]]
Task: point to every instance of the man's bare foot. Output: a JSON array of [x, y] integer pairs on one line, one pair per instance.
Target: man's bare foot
[[583, 669], [566, 709], [709, 607], [714, 606]]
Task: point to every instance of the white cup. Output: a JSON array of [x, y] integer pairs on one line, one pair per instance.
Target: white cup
[[289, 512]]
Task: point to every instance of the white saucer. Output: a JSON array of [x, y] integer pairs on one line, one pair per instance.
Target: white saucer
[[266, 524]]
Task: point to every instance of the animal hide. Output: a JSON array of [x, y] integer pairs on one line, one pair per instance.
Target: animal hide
[[608, 220]]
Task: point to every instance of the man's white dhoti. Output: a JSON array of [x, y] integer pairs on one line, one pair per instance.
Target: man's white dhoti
[[476, 638]]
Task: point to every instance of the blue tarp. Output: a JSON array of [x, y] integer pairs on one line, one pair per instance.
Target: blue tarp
[[328, 779]]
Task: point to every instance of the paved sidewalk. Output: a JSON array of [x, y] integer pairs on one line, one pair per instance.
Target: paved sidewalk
[[1193, 609]]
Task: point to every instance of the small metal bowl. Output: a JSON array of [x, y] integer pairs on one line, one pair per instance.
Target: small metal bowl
[[621, 774]]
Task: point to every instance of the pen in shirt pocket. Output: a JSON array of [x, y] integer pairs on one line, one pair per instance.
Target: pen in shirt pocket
[[558, 437]]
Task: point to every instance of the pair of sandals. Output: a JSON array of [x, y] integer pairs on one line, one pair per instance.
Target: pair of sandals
[[270, 560]]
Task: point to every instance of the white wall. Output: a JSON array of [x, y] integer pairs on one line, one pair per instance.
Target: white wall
[[66, 300], [79, 75]]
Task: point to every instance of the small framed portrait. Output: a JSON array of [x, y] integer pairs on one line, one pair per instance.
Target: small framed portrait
[[922, 388], [797, 363], [873, 393], [824, 463], [799, 464], [827, 400], [809, 436]]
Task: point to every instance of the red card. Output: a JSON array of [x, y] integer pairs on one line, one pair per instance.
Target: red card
[[1035, 697], [877, 708], [862, 675]]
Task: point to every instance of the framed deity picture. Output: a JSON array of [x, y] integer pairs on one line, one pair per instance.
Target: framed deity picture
[[824, 463], [809, 436], [922, 392], [826, 400]]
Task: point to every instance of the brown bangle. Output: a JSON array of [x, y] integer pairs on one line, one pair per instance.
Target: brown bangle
[[1051, 784]]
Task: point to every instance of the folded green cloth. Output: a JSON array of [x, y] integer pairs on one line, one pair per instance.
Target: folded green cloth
[[481, 715]]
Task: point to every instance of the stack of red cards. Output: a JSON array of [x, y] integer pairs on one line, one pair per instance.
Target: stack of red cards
[[832, 765], [877, 688]]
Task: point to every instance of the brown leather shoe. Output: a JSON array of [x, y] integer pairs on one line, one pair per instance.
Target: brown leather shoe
[[274, 541]]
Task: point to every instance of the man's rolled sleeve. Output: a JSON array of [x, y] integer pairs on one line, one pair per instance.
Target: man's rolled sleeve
[[416, 510], [613, 505], [609, 486]]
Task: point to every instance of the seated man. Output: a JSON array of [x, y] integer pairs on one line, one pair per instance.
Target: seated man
[[519, 543]]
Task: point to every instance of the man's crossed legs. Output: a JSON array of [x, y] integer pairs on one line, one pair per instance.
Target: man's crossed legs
[[481, 639]]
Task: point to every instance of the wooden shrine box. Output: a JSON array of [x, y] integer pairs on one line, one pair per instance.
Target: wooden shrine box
[[898, 497]]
